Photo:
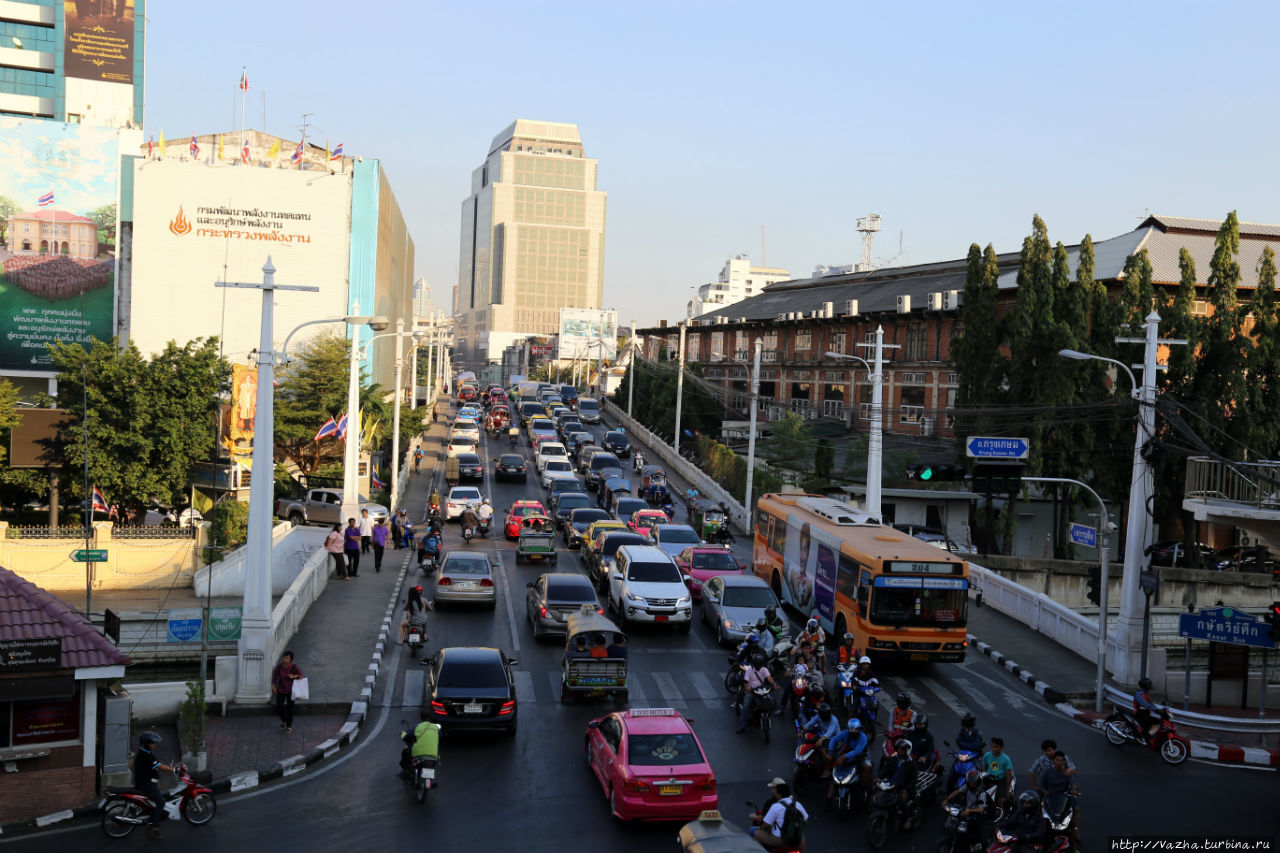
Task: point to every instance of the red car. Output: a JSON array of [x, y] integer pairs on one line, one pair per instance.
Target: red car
[[700, 563], [519, 510], [467, 394], [642, 521], [650, 765]]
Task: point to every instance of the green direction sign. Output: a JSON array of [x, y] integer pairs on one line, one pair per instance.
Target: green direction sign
[[224, 624], [90, 555]]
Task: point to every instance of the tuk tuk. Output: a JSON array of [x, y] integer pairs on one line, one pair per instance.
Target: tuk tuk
[[537, 539], [707, 517], [595, 657], [653, 484], [612, 489]]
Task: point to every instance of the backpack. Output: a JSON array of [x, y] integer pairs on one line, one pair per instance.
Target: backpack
[[792, 829]]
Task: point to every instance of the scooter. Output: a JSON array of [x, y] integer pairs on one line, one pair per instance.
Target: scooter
[[962, 762], [669, 507], [808, 760], [417, 636], [125, 808], [1123, 727], [485, 525], [468, 532], [960, 832], [868, 707], [762, 714], [419, 772], [851, 793], [889, 814], [1058, 809], [844, 683]]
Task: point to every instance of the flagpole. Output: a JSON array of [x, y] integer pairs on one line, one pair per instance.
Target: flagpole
[[84, 388], [244, 90]]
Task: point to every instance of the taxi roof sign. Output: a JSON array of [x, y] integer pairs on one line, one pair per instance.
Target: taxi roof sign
[[710, 815], [652, 712]]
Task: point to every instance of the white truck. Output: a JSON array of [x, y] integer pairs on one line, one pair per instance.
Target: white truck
[[324, 507]]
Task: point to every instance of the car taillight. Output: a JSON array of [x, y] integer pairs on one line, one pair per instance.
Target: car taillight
[[508, 707], [600, 610], [451, 503], [542, 611], [438, 708], [635, 786], [486, 582], [443, 582], [707, 784]]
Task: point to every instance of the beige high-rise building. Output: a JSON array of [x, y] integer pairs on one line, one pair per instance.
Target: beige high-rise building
[[532, 240]]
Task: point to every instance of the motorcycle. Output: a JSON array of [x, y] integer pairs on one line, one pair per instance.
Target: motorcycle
[[125, 808], [962, 762], [762, 714], [1007, 842], [960, 833], [435, 517], [1123, 727], [868, 707], [417, 635], [889, 814], [637, 461], [808, 761], [1059, 810], [844, 683], [851, 793], [419, 772], [669, 507], [428, 562], [485, 525], [468, 532]]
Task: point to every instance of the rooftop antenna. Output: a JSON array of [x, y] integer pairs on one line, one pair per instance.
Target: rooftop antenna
[[896, 260], [868, 226]]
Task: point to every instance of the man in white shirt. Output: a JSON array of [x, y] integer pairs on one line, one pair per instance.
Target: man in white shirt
[[366, 531], [768, 827]]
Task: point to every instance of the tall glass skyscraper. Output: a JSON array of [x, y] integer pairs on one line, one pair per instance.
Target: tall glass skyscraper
[[532, 239], [79, 61]]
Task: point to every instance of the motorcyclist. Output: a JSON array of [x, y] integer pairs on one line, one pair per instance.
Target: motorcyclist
[[900, 769], [469, 517], [513, 435], [1147, 711], [846, 652], [1028, 824], [424, 742], [823, 723], [146, 778], [435, 500], [767, 640], [811, 638], [922, 746], [863, 676], [904, 716], [430, 548], [747, 650], [849, 747], [974, 802], [777, 625], [485, 513], [756, 676], [969, 739], [789, 697], [814, 696]]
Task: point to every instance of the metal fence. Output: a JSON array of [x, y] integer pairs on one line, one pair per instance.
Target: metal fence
[[1256, 484], [154, 531], [48, 533]]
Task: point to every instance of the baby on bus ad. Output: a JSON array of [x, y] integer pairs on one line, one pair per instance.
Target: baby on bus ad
[[809, 569]]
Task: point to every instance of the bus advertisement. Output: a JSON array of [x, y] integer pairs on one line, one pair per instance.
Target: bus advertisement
[[898, 596]]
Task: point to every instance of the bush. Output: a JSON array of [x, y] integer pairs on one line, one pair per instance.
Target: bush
[[229, 523], [191, 718]]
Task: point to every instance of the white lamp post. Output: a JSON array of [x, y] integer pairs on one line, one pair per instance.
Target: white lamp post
[[351, 451], [875, 443], [395, 427]]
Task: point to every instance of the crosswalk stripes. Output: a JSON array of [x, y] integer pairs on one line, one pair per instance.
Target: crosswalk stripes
[[975, 692], [948, 698], [670, 692], [705, 689], [636, 697]]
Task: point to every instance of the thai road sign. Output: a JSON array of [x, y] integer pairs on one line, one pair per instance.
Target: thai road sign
[[1226, 625], [90, 555], [1083, 534], [184, 624], [996, 447]]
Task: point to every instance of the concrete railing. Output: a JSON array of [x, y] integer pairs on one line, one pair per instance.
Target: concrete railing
[[290, 548], [158, 701], [132, 563], [677, 464], [287, 615]]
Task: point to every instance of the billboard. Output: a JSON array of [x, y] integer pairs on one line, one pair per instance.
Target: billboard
[[244, 402], [195, 224], [810, 566], [587, 332], [58, 191], [98, 40]]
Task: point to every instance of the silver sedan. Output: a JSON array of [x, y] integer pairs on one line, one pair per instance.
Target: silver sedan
[[553, 596], [466, 577]]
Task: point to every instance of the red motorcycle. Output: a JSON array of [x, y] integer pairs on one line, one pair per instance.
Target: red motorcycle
[[125, 808], [1123, 727]]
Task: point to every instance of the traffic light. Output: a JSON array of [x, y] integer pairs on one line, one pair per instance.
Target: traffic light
[[936, 473], [1274, 616], [997, 478], [1094, 588]]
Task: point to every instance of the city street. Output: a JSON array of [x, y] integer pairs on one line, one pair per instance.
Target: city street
[[534, 792]]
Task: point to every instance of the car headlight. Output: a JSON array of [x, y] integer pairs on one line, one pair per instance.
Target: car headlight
[[631, 596], [731, 625], [682, 601]]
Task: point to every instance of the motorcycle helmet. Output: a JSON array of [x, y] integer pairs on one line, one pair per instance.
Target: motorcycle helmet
[[922, 722], [973, 779], [753, 639], [811, 626], [968, 721], [847, 638], [864, 659], [1144, 683], [902, 743], [759, 659], [1029, 798], [817, 695], [824, 711], [149, 739], [762, 624], [854, 725], [904, 701], [770, 612], [418, 587]]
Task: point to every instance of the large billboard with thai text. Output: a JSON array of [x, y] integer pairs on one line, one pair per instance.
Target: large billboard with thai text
[[99, 39], [196, 223]]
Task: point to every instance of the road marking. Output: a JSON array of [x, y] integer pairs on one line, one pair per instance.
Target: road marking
[[510, 606], [554, 677], [706, 691], [636, 697], [1010, 696], [524, 686], [976, 695], [414, 687], [948, 698], [667, 687]]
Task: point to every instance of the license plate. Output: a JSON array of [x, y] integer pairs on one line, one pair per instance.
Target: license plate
[[919, 656], [669, 790], [661, 617], [428, 773], [472, 708], [466, 586]]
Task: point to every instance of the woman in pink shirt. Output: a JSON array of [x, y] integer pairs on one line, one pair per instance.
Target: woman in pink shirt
[[333, 544]]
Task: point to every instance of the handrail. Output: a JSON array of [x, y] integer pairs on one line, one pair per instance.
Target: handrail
[[1245, 725]]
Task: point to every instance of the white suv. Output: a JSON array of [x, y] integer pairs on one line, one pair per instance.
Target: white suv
[[646, 586], [549, 450], [460, 497]]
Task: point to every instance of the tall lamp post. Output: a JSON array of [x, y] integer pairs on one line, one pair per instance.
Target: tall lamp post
[[398, 334], [875, 442], [351, 450]]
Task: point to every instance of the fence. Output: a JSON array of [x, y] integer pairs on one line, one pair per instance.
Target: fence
[[1255, 484], [43, 556], [287, 615]]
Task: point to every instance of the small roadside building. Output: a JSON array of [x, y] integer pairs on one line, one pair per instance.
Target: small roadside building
[[54, 703]]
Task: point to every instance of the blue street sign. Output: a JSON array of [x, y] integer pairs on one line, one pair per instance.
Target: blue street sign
[[1083, 534], [1226, 625], [996, 447], [184, 624]]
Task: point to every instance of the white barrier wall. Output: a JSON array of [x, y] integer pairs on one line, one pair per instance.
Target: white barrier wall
[[291, 547]]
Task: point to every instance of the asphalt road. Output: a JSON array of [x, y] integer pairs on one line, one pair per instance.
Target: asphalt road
[[534, 792]]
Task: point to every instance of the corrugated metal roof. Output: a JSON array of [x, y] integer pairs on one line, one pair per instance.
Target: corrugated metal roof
[[28, 612], [1184, 223]]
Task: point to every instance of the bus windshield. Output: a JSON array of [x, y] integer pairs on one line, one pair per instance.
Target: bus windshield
[[940, 607]]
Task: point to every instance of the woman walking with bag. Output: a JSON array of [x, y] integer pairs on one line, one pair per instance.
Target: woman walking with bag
[[282, 678]]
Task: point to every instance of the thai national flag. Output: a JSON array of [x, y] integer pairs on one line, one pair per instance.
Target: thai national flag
[[46, 199], [194, 148], [297, 152], [376, 480], [244, 152], [99, 502], [342, 426], [329, 428], [337, 153], [244, 80]]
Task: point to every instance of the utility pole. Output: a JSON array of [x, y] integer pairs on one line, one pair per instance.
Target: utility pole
[[875, 441], [679, 390], [631, 383], [395, 427], [351, 449], [751, 435]]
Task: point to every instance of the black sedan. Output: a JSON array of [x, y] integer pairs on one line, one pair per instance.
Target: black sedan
[[616, 443], [469, 688], [509, 466], [470, 467], [579, 521]]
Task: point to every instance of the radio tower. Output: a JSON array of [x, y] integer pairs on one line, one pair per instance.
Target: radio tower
[[868, 226]]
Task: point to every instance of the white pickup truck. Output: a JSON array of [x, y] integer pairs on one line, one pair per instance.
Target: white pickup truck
[[323, 507]]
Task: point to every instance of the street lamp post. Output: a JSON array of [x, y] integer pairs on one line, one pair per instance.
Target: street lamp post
[[875, 441], [398, 334], [751, 434], [679, 391]]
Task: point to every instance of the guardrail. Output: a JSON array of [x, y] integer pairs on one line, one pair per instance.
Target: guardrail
[[286, 616], [1245, 725], [1256, 484]]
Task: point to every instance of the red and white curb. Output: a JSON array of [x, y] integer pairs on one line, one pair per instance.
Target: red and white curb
[[1226, 753]]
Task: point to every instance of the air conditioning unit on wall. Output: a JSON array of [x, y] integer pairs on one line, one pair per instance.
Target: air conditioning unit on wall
[[851, 308], [904, 304], [935, 301], [950, 300]]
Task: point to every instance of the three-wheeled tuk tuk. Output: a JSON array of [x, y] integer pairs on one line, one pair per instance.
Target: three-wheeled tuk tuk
[[708, 518], [537, 539], [653, 484], [595, 657]]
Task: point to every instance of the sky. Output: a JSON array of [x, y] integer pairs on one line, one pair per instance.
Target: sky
[[956, 122]]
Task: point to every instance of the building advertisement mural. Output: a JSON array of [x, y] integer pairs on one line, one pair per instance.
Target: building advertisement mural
[[58, 194], [586, 332], [99, 39]]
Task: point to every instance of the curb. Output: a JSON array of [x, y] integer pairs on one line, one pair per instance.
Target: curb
[[1050, 695], [248, 779]]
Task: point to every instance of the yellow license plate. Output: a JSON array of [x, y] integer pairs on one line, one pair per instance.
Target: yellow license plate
[[668, 790], [919, 656]]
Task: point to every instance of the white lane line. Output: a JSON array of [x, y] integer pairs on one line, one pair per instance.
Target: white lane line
[[948, 698], [667, 687], [636, 697], [507, 595], [707, 691], [524, 686], [976, 694]]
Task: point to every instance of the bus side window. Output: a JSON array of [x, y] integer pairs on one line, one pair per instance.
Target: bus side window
[[864, 590]]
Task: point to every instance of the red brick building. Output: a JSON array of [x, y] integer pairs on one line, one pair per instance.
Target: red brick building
[[53, 666]]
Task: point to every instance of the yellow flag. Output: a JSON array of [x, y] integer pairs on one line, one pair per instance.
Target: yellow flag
[[162, 143], [274, 151], [326, 152], [219, 151]]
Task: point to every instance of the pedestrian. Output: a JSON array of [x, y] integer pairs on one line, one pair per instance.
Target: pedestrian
[[282, 678], [333, 544], [396, 531], [113, 515], [351, 545], [366, 531], [379, 537]]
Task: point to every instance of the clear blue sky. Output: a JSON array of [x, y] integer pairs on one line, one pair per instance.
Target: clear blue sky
[[956, 122]]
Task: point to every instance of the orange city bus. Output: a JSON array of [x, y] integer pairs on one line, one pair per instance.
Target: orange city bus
[[899, 597]]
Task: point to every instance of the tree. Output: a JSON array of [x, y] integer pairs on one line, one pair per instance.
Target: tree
[[1262, 361], [1218, 390], [105, 218], [8, 207], [982, 368], [1035, 336], [1137, 294], [824, 459], [9, 415], [312, 388]]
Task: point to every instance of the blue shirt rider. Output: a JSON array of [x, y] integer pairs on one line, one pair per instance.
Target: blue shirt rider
[[850, 743], [1147, 711], [824, 723]]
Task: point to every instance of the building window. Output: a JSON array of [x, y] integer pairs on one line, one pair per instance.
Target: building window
[[804, 341], [800, 390], [740, 345], [717, 345], [693, 347], [864, 411], [837, 342], [916, 341], [912, 408]]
